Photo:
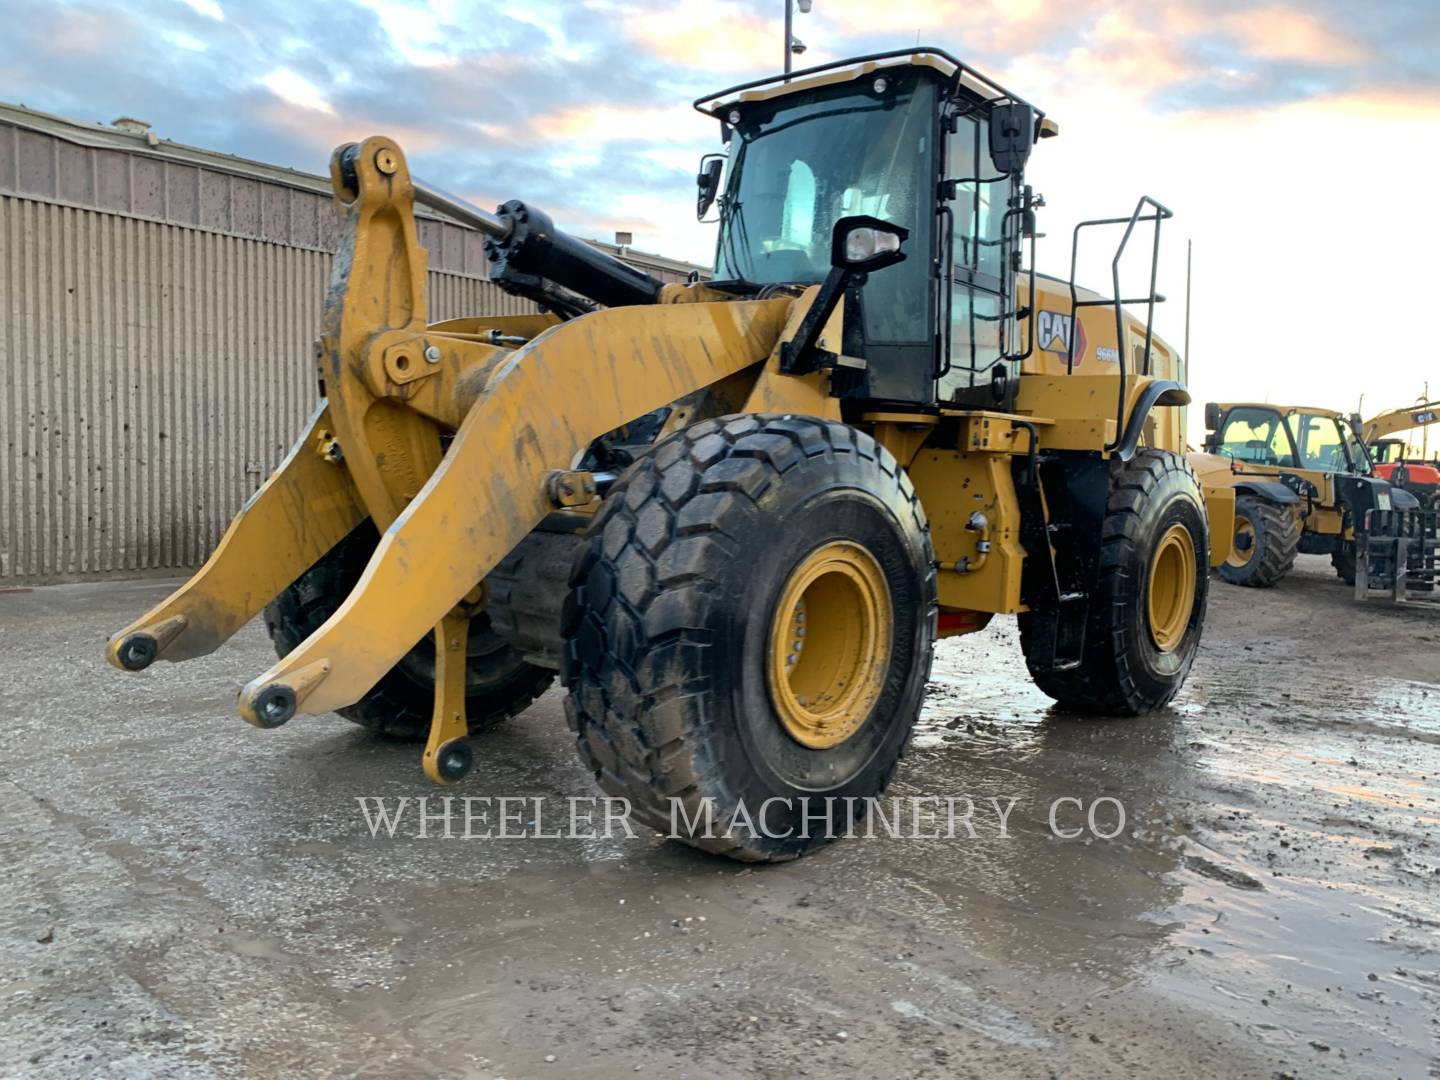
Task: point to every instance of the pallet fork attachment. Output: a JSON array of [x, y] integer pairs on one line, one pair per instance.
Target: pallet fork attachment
[[396, 388], [305, 508]]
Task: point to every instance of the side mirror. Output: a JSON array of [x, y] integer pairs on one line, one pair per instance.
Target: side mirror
[[1212, 417], [1012, 136], [861, 243], [707, 181], [858, 244]]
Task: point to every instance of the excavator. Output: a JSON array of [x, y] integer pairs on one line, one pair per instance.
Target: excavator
[[735, 515], [1416, 475]]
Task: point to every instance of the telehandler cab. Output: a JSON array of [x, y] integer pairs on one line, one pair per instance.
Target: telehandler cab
[[736, 514]]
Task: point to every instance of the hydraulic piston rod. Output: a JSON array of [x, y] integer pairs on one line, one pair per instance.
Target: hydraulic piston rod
[[495, 228]]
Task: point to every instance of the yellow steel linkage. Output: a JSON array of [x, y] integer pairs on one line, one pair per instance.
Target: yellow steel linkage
[[448, 521], [304, 509]]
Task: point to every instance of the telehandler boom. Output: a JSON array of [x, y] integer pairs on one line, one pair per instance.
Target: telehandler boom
[[735, 515]]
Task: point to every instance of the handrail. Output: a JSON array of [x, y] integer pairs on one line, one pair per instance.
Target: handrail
[[1161, 214]]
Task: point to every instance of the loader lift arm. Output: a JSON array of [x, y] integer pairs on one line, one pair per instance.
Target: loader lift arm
[[447, 515]]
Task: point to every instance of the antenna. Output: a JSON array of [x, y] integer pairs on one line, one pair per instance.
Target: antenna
[[1189, 258]]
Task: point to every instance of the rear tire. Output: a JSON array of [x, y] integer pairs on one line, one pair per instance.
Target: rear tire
[[1133, 662], [1275, 538], [498, 683], [678, 698], [1343, 560]]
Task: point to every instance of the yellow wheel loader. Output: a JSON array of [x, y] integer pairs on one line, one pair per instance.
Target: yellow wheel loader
[[734, 515], [1304, 483]]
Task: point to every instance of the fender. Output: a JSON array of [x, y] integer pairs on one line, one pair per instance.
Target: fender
[[1273, 490], [1400, 499], [1159, 392]]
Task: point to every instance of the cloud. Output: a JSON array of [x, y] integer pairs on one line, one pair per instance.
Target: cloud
[[209, 8], [582, 106], [707, 35], [1278, 33], [296, 90]]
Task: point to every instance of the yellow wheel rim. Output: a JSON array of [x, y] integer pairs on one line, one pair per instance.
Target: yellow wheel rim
[[1242, 548], [829, 647], [1172, 587]]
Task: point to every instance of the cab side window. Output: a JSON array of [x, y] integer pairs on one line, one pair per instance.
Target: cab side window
[[1319, 442]]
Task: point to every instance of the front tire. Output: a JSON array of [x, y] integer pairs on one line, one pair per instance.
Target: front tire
[[1267, 539], [498, 682], [693, 682], [1148, 608]]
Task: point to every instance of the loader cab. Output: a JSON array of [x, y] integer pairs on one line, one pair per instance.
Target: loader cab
[[916, 140]]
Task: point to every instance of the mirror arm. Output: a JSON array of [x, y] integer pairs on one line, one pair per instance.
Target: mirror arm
[[799, 355]]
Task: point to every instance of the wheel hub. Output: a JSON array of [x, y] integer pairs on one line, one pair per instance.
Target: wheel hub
[[829, 645], [1172, 588], [1242, 550]]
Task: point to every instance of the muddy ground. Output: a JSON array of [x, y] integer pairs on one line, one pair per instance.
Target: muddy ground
[[183, 895]]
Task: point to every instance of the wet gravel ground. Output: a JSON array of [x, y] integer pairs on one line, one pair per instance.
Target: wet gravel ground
[[182, 895]]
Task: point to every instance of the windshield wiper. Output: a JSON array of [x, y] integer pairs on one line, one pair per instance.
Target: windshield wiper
[[732, 219]]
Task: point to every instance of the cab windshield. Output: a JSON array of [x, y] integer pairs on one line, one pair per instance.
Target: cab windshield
[[1359, 453], [818, 157], [1326, 444]]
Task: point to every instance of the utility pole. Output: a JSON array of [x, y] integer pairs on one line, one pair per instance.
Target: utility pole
[[794, 45]]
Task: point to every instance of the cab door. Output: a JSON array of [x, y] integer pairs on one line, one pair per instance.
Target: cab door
[[976, 279]]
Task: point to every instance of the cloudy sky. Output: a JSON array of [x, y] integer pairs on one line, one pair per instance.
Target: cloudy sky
[[1296, 141]]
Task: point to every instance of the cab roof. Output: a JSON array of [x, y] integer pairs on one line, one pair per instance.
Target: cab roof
[[839, 71], [1306, 410]]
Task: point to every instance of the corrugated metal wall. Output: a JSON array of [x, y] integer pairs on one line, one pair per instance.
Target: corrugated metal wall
[[156, 321], [154, 376]]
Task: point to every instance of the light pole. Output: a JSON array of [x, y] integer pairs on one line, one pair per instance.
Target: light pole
[[792, 43]]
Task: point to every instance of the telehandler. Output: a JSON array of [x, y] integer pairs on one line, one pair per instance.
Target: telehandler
[[1304, 483], [735, 514]]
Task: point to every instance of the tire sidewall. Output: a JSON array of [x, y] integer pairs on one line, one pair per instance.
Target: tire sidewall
[[1176, 502], [754, 759]]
